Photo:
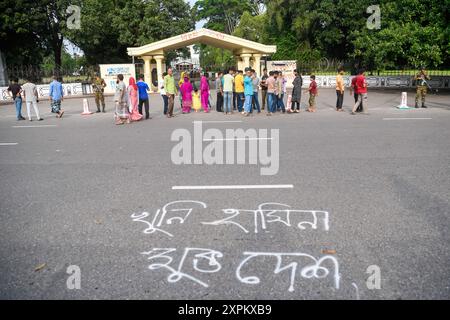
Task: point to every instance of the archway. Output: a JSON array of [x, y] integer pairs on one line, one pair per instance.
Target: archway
[[248, 53]]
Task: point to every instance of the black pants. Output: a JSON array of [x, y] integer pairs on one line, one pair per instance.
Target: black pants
[[235, 100], [145, 103], [219, 102], [293, 103], [360, 108], [340, 99]]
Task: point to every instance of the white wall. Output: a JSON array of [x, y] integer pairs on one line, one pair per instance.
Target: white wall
[[69, 89]]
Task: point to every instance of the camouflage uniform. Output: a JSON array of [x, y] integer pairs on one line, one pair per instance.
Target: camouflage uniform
[[421, 91], [98, 86]]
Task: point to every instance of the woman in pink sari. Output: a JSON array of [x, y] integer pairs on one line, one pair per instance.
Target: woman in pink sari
[[186, 95], [133, 100], [204, 93]]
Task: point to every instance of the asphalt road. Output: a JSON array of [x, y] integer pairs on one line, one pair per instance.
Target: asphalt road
[[70, 186]]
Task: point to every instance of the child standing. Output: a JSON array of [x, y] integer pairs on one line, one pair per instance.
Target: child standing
[[196, 103], [313, 93]]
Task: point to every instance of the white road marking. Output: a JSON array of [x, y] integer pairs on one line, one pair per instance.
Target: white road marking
[[236, 139], [218, 121], [40, 126], [254, 186], [8, 143], [357, 291], [407, 118]]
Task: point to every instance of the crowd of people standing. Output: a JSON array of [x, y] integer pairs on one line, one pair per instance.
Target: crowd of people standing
[[237, 91]]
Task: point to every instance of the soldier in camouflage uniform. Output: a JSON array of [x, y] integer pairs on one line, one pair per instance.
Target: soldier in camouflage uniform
[[98, 86], [422, 85]]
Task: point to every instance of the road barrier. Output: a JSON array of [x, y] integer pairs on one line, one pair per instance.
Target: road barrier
[[86, 107]]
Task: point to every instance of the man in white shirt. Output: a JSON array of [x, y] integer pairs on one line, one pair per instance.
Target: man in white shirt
[[228, 80], [31, 98]]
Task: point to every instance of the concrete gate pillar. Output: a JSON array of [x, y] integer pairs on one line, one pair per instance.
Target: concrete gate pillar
[[147, 69], [246, 60], [257, 63], [159, 59]]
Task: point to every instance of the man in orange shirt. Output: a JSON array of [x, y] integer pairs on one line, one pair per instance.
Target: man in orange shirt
[[340, 89], [239, 88]]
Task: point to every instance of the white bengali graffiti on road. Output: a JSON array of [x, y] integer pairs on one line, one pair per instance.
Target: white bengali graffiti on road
[[197, 263], [247, 220]]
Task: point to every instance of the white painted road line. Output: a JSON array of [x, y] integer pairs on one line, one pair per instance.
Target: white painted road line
[[8, 143], [255, 186], [40, 126], [237, 139], [407, 118], [218, 121]]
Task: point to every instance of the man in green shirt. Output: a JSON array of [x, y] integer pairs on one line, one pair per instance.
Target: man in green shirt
[[169, 86]]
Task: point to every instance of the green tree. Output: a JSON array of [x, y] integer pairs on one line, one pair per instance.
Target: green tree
[[225, 16], [215, 58], [138, 23], [99, 36], [252, 28], [70, 64], [413, 34], [222, 15], [33, 29], [56, 26], [22, 25], [320, 28], [108, 27]]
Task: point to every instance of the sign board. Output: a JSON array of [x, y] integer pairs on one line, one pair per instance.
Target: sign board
[[109, 73], [287, 67]]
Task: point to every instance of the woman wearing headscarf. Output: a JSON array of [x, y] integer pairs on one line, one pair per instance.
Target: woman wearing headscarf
[[204, 92], [186, 95], [182, 75], [132, 91], [180, 83]]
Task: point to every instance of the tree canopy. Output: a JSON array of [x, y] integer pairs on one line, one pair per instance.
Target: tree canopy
[[413, 33], [32, 30]]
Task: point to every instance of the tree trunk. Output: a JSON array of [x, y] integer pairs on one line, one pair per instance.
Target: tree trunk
[[57, 49]]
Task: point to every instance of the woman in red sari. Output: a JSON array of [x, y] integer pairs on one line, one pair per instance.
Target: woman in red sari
[[133, 100]]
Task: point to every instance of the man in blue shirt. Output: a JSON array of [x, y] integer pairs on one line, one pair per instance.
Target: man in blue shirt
[[248, 91], [143, 96], [56, 95]]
